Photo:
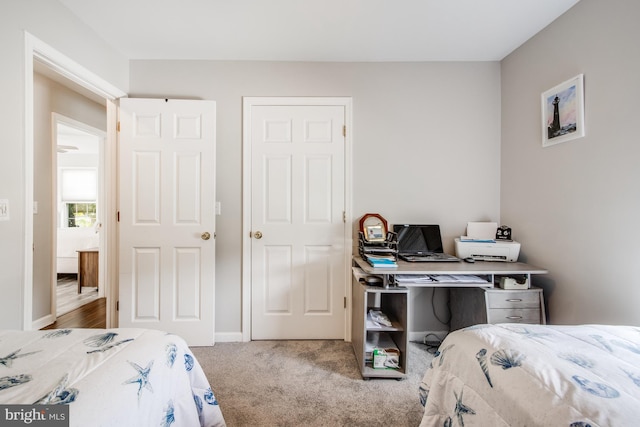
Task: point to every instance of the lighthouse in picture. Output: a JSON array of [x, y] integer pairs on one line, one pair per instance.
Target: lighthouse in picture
[[554, 129]]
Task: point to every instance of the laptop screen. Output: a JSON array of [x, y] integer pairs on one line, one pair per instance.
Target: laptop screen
[[418, 239]]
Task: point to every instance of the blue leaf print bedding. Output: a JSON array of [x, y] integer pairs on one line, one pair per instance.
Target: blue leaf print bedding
[[534, 375], [114, 377]]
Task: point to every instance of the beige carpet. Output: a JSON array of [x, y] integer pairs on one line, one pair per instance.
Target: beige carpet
[[308, 383], [68, 298]]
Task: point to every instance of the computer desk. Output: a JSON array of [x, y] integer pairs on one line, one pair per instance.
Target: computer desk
[[471, 303]]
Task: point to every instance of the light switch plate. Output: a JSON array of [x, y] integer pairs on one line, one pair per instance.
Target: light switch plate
[[4, 209]]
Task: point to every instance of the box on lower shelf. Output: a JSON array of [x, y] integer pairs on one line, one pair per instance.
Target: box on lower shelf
[[512, 282], [381, 351]]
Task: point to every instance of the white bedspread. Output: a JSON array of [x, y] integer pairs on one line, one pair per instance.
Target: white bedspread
[[535, 375], [112, 377]]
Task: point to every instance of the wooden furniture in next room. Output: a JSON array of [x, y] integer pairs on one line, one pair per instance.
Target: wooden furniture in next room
[[87, 268]]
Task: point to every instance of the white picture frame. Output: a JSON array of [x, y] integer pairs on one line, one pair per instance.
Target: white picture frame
[[563, 112]]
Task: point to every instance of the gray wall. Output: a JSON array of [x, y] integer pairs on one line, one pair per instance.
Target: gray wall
[[55, 25], [572, 205], [575, 206], [431, 130]]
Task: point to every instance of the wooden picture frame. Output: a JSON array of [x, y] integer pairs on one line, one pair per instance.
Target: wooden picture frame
[[374, 227], [563, 112]]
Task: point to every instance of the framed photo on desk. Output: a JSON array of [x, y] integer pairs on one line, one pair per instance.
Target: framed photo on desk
[[373, 227], [375, 233]]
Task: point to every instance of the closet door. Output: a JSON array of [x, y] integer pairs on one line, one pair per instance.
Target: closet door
[[298, 227]]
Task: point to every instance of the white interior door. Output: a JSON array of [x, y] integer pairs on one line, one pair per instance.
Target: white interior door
[[297, 221], [167, 216]]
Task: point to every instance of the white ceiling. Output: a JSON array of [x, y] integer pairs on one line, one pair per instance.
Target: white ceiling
[[73, 141], [318, 30]]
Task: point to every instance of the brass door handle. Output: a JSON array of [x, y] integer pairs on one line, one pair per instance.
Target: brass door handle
[[205, 235], [257, 235]]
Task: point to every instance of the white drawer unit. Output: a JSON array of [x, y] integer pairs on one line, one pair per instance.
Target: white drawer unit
[[494, 305]]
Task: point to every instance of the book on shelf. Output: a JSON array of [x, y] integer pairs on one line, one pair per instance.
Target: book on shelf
[[383, 261], [391, 264]]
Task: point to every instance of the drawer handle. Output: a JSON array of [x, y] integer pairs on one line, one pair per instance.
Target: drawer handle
[[515, 300], [514, 317]]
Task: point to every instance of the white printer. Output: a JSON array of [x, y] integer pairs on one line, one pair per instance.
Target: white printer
[[487, 251]]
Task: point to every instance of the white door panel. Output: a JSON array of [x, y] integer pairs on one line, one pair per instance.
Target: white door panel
[[298, 190], [167, 199]]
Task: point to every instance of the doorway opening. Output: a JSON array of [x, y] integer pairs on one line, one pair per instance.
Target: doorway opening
[[39, 307], [78, 213]]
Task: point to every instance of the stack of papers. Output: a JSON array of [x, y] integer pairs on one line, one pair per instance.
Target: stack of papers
[[440, 278], [480, 232], [458, 278], [413, 278], [377, 319]]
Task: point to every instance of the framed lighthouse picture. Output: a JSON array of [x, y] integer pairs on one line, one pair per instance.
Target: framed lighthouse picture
[[563, 112]]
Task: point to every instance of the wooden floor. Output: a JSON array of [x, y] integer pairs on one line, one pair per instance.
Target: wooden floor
[[92, 315], [68, 298]]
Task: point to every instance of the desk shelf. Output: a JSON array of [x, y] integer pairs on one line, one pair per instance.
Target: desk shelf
[[488, 269], [394, 303]]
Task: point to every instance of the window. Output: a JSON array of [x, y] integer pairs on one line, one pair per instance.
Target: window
[[80, 214], [78, 194]]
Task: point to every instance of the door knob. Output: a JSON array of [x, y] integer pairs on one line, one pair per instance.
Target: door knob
[[257, 235], [205, 235]]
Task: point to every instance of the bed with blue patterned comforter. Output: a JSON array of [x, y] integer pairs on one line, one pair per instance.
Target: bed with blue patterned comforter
[[535, 375], [108, 377]]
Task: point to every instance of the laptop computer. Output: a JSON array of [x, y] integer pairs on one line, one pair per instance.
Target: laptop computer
[[421, 243]]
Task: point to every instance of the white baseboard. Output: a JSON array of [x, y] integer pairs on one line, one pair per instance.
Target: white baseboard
[[228, 337], [42, 322], [413, 336], [419, 336]]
